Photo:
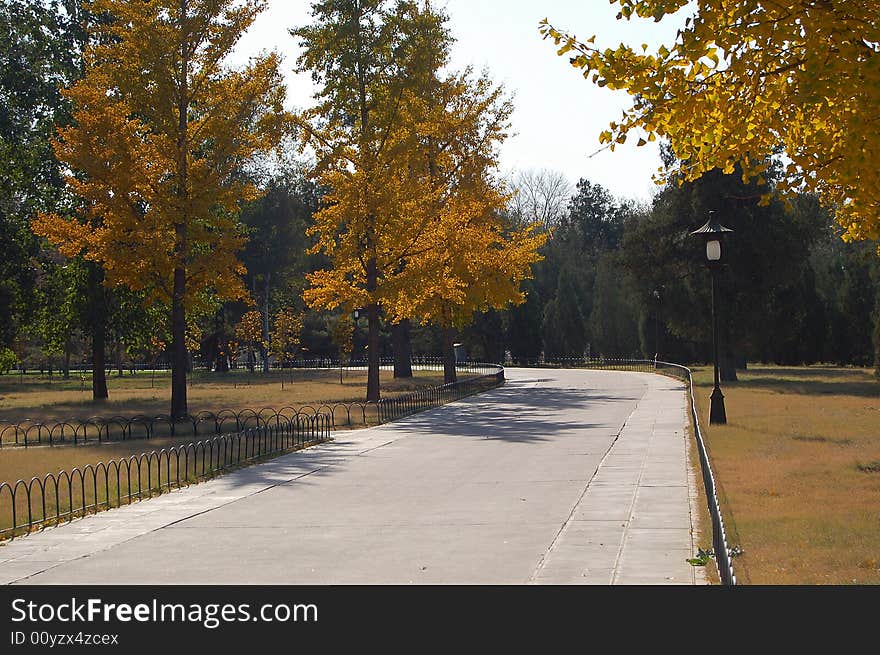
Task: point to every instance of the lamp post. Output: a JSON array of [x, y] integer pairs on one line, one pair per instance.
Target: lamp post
[[712, 234], [356, 315], [656, 326]]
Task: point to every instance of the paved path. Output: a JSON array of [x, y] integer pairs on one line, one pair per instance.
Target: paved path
[[560, 476]]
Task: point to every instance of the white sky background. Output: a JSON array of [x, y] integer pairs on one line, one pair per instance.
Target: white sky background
[[558, 114]]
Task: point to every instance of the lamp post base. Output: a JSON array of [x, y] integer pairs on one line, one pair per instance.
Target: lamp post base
[[717, 414]]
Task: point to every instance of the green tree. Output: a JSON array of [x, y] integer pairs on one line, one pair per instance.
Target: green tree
[[38, 57], [276, 253], [564, 326]]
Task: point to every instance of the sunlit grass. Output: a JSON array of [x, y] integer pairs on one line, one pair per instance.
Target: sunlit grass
[[310, 389], [132, 395], [794, 465], [38, 397]]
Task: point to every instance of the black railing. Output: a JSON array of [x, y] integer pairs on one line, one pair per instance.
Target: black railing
[[29, 432], [55, 498], [33, 432], [424, 362], [721, 549], [615, 363]]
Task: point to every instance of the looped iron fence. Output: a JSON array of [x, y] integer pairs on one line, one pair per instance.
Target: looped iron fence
[[29, 432], [33, 432], [56, 498]]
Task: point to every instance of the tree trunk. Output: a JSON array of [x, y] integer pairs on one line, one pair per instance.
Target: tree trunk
[[727, 367], [67, 349], [264, 350], [179, 358], [373, 353], [728, 355], [222, 363], [877, 334], [98, 316], [449, 373], [402, 349], [372, 334]]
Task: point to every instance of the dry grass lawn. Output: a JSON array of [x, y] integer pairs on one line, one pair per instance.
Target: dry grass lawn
[[798, 466], [133, 395], [39, 398]]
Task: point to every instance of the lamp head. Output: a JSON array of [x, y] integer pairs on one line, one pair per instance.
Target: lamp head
[[713, 234]]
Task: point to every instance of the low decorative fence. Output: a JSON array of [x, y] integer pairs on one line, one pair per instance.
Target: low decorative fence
[[31, 432], [123, 428], [55, 498]]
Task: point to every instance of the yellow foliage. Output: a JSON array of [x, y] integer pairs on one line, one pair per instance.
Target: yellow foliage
[[249, 329], [746, 77], [410, 220], [160, 133], [285, 337]]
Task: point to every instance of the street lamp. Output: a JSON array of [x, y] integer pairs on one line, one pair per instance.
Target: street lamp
[[712, 234], [357, 314], [656, 326]]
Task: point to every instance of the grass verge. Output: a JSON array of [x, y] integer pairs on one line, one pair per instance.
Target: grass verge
[[796, 475]]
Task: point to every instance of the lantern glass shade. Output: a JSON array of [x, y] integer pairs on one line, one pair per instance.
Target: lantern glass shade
[[713, 250]]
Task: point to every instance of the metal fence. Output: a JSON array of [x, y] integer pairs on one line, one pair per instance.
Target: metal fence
[[720, 546], [33, 432], [55, 498], [29, 432], [423, 362]]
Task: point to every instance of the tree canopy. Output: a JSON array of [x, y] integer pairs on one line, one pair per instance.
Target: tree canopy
[[746, 79], [162, 134]]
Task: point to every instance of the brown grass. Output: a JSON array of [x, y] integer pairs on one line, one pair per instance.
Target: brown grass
[[58, 400], [794, 468], [38, 397], [132, 395]]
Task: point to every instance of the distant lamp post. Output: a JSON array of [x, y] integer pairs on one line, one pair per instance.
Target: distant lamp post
[[656, 326], [356, 315], [713, 234]]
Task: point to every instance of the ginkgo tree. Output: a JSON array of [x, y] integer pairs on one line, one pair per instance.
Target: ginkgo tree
[[370, 58], [163, 131], [462, 257], [407, 154], [745, 79]]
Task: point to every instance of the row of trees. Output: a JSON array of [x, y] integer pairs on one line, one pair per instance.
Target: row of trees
[[151, 205], [744, 81], [163, 182], [620, 279]]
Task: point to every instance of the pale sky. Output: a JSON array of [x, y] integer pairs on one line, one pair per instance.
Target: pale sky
[[558, 114]]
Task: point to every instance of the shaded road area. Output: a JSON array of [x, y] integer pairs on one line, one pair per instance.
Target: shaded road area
[[559, 476]]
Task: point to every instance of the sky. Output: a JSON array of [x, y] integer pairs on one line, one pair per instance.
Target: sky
[[558, 114]]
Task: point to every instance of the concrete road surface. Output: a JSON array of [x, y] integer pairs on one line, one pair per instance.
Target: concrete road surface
[[560, 476]]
